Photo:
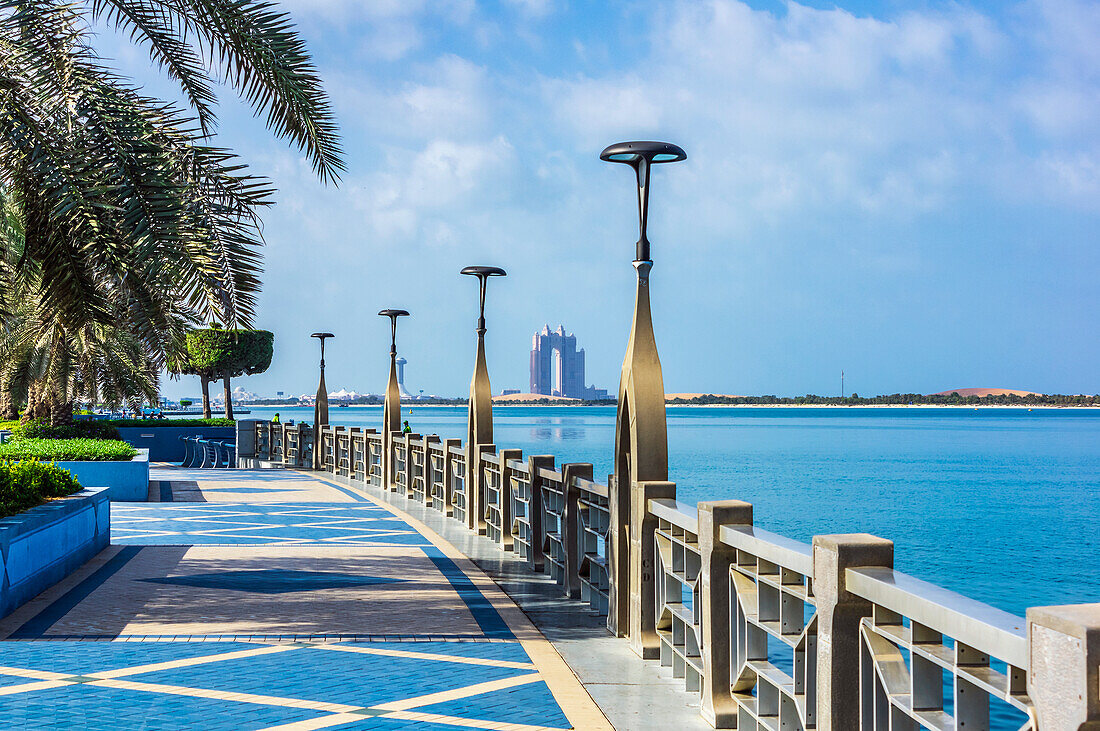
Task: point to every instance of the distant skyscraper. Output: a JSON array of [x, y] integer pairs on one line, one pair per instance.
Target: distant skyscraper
[[567, 379]]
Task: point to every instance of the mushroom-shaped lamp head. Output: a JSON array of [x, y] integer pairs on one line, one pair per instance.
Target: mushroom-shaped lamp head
[[483, 273], [321, 337], [393, 315], [640, 155]]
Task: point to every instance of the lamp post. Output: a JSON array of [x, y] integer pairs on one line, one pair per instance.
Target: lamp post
[[479, 420], [391, 410], [641, 438], [320, 405]]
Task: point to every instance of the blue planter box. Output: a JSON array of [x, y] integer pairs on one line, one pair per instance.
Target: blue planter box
[[41, 546], [163, 442], [124, 481]]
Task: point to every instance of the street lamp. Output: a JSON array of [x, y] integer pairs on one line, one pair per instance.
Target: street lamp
[[479, 420], [391, 410], [641, 437], [320, 405]]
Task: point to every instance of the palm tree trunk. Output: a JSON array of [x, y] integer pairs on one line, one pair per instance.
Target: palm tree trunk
[[205, 396], [61, 410], [8, 410], [34, 405], [228, 398]]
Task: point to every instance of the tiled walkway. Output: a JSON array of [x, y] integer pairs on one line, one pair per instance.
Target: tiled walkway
[[328, 610]]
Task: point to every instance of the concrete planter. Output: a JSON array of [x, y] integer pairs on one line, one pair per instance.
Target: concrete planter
[[163, 442], [41, 546], [125, 481]]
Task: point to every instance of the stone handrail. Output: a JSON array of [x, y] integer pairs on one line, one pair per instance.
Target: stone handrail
[[768, 631]]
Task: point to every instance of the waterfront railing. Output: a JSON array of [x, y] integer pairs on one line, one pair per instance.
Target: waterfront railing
[[767, 632]]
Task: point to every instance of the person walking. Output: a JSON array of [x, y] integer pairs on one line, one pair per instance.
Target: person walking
[[407, 429], [275, 419]]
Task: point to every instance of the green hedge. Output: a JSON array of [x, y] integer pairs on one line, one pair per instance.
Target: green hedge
[[41, 429], [74, 450], [26, 484], [154, 423]]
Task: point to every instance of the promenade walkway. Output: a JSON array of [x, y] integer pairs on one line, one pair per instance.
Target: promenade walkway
[[276, 600]]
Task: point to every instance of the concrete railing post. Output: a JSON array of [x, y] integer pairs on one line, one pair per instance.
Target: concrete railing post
[[536, 560], [838, 616], [571, 524], [644, 639], [246, 438], [505, 496], [1064, 654], [719, 708]]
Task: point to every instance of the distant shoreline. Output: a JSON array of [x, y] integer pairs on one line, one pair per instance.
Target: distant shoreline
[[507, 404]]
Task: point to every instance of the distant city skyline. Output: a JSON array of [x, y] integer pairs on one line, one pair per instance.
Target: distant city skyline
[[906, 191]]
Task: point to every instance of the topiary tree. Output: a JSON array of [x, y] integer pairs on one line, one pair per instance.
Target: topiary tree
[[215, 354]]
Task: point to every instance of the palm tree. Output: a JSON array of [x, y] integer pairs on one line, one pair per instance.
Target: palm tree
[[130, 218]]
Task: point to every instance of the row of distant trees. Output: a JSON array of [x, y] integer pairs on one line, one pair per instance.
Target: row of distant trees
[[896, 399], [910, 399]]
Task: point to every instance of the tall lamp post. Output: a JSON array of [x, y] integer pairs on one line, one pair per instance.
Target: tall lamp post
[[479, 421], [641, 438], [320, 405], [391, 410]]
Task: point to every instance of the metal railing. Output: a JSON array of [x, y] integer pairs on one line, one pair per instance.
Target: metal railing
[[678, 564], [494, 497], [400, 467], [594, 514], [553, 525], [771, 633], [358, 455], [522, 530], [374, 459], [460, 498], [917, 635], [773, 621]]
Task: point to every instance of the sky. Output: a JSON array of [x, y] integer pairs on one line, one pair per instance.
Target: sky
[[908, 192]]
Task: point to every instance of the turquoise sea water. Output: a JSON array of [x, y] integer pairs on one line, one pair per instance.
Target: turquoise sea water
[[1002, 505]]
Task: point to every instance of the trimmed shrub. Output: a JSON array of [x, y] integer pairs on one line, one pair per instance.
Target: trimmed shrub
[[42, 429], [154, 423], [71, 450], [28, 483]]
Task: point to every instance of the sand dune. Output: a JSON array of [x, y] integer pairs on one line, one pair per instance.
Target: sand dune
[[986, 392]]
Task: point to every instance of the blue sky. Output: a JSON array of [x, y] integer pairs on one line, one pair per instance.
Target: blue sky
[[905, 191]]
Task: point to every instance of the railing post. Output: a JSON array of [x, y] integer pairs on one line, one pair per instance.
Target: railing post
[[1063, 679], [246, 439], [644, 639], [571, 525], [536, 560], [838, 616], [719, 708], [506, 515]]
